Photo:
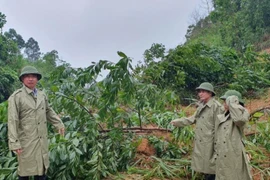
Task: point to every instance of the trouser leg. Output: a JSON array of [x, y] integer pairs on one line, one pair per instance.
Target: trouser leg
[[210, 177], [23, 177], [40, 177]]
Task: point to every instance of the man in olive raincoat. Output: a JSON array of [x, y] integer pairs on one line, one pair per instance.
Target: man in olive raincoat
[[231, 158], [28, 114], [205, 118]]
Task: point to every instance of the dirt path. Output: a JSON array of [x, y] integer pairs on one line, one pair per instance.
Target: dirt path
[[255, 104]]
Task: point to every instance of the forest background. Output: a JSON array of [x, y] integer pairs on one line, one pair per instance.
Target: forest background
[[118, 126]]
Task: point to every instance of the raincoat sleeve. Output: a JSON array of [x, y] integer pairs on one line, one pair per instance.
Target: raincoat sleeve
[[238, 113], [52, 116], [13, 123], [184, 121]]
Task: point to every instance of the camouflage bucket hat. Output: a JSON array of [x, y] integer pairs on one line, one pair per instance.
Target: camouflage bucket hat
[[232, 93], [208, 87], [30, 70]]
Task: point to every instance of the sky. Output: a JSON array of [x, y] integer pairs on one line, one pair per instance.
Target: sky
[[84, 31]]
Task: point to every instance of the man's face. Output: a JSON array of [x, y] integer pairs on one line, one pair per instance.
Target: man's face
[[204, 95], [30, 80]]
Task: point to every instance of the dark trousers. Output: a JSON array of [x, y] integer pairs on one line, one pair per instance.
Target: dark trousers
[[209, 176], [35, 177]]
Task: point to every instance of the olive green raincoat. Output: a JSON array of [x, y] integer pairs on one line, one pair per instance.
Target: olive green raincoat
[[231, 158], [27, 130], [203, 151]]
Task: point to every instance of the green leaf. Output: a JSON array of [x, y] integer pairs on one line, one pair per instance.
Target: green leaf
[[258, 114], [121, 54], [72, 155], [6, 171], [78, 151], [75, 141]]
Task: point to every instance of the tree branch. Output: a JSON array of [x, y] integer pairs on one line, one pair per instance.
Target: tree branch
[[84, 108], [137, 129], [258, 110]]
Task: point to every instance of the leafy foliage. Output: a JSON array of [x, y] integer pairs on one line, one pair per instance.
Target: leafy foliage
[[7, 77], [237, 24], [169, 168], [8, 50], [165, 149], [17, 38], [100, 115], [186, 66], [8, 163], [32, 49], [2, 20], [96, 113]]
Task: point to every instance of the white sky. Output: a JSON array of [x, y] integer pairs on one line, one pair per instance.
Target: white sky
[[83, 31]]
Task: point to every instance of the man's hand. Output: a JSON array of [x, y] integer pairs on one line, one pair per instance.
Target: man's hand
[[232, 100], [18, 151], [61, 131]]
